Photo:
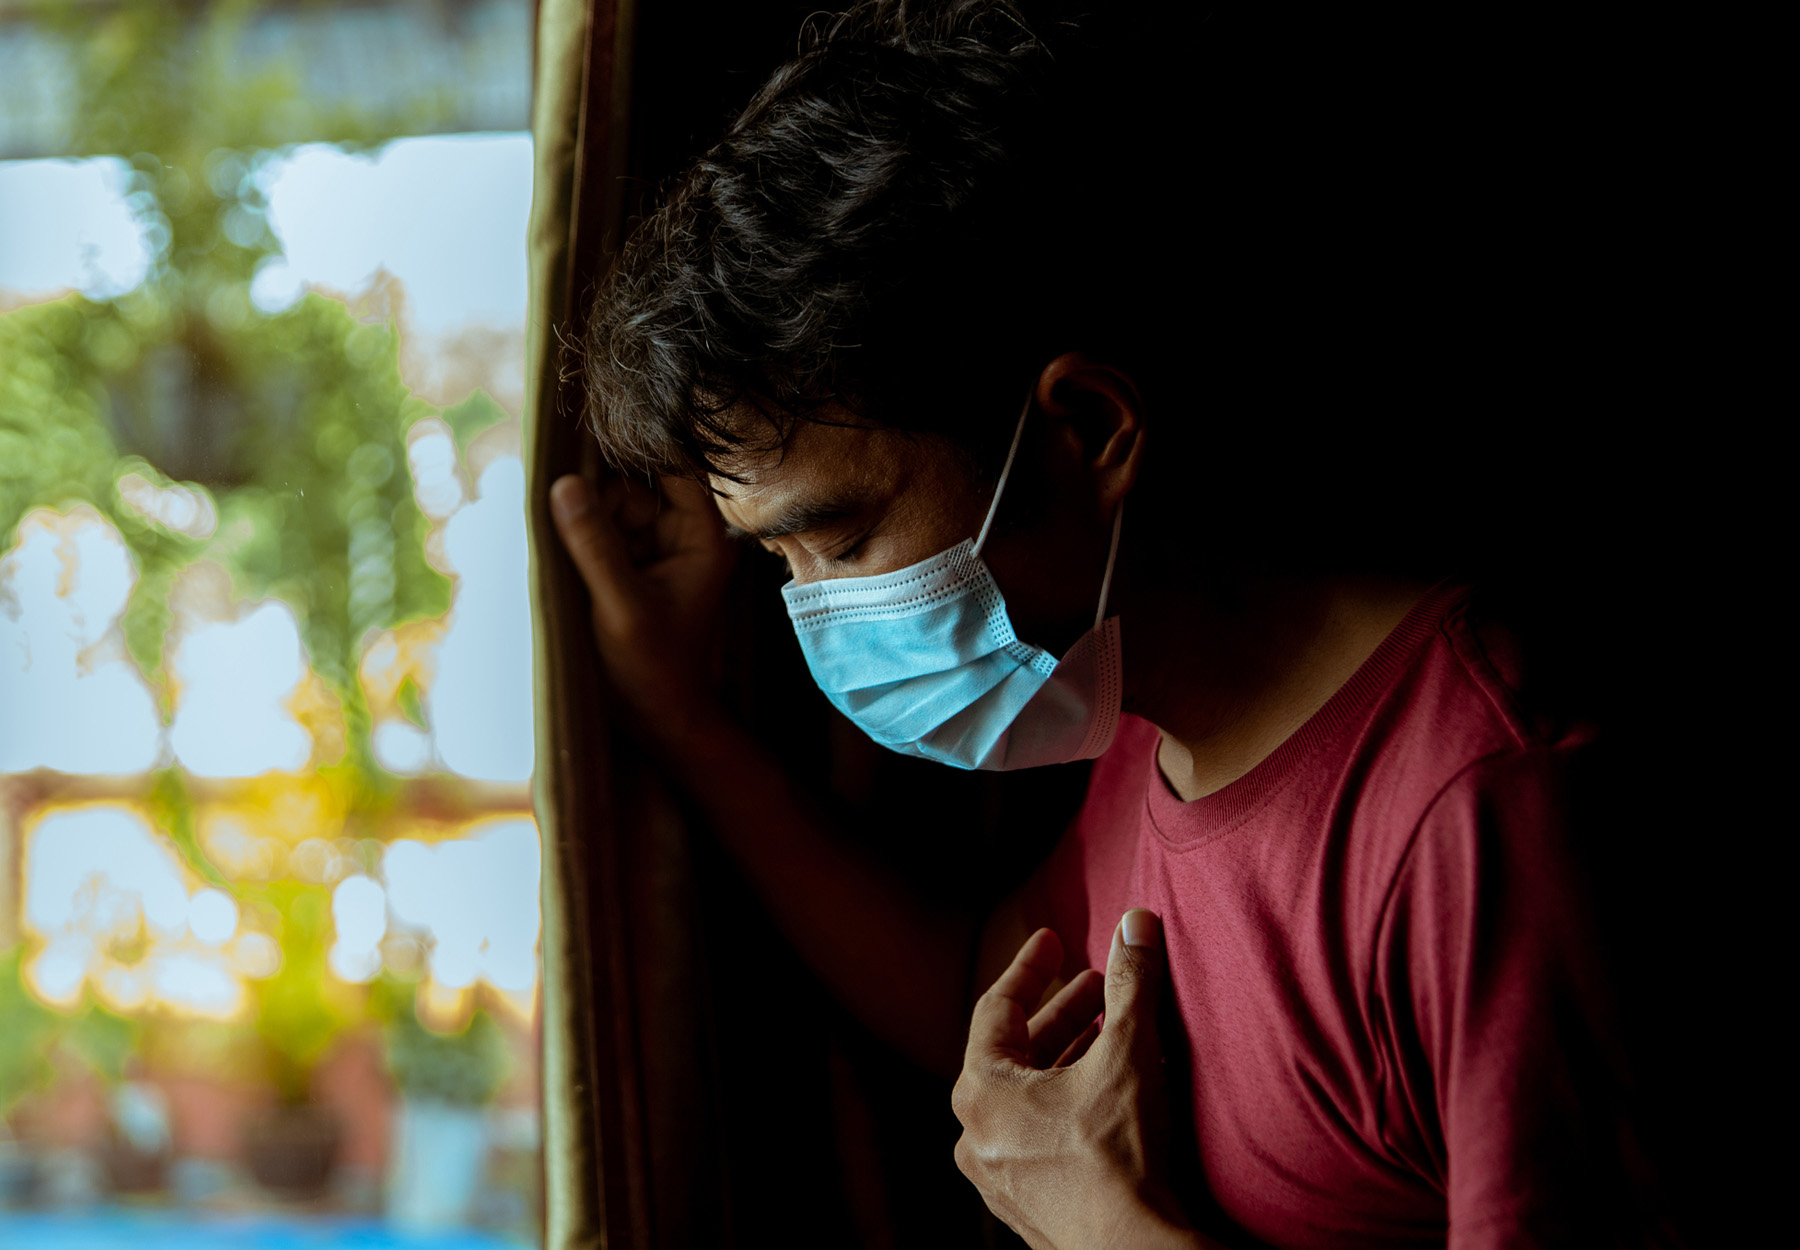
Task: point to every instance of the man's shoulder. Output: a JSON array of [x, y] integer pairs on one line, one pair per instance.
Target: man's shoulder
[[1471, 695], [1457, 730]]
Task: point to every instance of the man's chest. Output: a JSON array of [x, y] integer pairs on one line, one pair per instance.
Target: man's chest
[[1299, 1135]]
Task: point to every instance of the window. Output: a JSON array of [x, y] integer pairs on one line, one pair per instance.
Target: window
[[268, 868]]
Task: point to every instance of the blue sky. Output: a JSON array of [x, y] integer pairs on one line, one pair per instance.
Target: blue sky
[[445, 214]]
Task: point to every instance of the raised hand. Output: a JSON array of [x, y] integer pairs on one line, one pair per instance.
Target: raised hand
[[655, 560], [1064, 1118]]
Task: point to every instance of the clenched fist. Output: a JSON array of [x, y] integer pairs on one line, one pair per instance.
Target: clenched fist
[[655, 560]]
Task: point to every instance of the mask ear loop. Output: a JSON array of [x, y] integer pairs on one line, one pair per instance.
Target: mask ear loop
[[1005, 469], [1112, 554]]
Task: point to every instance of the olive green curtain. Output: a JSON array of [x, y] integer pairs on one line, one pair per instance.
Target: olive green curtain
[[593, 1140]]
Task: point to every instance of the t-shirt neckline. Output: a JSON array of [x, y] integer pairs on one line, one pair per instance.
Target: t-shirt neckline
[[1190, 824]]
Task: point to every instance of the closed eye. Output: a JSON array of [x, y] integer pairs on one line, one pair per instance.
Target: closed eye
[[849, 554]]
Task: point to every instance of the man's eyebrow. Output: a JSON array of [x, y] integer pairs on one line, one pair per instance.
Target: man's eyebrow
[[799, 515]]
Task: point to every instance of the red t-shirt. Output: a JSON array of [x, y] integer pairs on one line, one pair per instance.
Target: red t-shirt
[[1380, 955]]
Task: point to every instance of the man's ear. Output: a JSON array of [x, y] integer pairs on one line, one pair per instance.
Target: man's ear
[[1099, 410]]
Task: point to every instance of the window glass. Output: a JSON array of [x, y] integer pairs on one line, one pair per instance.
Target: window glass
[[269, 919]]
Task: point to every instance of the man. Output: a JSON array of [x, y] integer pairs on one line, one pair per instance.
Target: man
[[904, 328]]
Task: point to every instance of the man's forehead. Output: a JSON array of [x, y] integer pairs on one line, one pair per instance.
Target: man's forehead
[[821, 470]]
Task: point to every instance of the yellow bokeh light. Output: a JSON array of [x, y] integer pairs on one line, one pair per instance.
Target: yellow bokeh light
[[60, 971], [291, 807], [231, 841], [116, 911], [321, 713], [184, 508], [123, 987], [396, 655], [444, 1010], [521, 1005], [316, 862], [254, 955]]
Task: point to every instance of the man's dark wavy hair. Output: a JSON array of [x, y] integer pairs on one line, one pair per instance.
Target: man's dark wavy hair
[[910, 219]]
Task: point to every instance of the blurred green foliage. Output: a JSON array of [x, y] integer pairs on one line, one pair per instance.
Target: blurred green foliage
[[294, 424], [295, 1019], [27, 1032], [32, 1036], [172, 810], [466, 1067], [471, 416], [101, 1039]]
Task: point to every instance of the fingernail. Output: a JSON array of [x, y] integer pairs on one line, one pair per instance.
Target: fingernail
[[569, 497], [1141, 928]]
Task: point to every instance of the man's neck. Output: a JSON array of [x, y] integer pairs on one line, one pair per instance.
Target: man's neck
[[1227, 686]]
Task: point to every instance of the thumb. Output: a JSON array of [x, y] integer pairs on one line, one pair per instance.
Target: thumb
[[1135, 968], [595, 545]]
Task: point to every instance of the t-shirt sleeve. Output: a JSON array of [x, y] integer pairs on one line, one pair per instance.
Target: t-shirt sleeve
[[1490, 976]]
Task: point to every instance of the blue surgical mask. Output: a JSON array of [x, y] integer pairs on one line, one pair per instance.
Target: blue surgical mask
[[925, 661]]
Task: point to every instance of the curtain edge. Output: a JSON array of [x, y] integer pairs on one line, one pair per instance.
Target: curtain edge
[[595, 1185]]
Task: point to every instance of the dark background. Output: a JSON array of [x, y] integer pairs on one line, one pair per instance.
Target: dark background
[[1471, 270]]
